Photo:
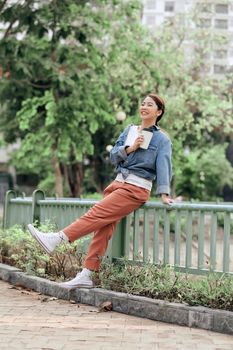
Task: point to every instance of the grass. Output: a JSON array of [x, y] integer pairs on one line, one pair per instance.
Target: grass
[[19, 249], [159, 282]]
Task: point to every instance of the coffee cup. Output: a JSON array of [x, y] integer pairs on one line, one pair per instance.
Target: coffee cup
[[147, 138]]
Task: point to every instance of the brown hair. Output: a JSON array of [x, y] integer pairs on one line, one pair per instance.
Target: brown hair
[[160, 104]]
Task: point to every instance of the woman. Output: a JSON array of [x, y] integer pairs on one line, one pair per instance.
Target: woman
[[136, 168]]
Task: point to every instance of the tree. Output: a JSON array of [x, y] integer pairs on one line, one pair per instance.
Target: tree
[[68, 68], [204, 174], [60, 58], [199, 114]]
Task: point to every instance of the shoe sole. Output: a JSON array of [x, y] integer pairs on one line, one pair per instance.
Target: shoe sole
[[34, 234], [77, 286]]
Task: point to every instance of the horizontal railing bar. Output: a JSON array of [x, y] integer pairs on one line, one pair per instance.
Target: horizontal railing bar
[[193, 271], [150, 204], [191, 206], [79, 202], [203, 271], [21, 200]]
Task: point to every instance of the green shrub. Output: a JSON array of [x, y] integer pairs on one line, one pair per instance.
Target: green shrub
[[203, 173], [159, 282], [19, 249], [220, 219]]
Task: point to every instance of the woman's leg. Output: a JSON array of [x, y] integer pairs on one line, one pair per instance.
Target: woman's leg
[[98, 247], [124, 198], [120, 200], [99, 242]]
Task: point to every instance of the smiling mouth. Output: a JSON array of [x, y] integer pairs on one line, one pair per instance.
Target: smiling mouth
[[144, 113]]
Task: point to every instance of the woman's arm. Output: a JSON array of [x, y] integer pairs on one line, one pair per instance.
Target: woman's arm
[[118, 152], [137, 143], [166, 199], [164, 171]]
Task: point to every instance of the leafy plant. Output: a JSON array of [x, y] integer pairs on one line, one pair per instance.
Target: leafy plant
[[204, 173], [19, 249], [159, 282], [66, 70]]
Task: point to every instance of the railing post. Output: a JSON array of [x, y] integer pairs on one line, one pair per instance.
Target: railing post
[[116, 248], [6, 211], [226, 242], [36, 196]]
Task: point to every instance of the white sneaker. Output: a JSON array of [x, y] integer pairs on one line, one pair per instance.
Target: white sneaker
[[48, 241], [82, 280]]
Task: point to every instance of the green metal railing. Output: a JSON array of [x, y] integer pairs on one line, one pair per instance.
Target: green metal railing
[[192, 237]]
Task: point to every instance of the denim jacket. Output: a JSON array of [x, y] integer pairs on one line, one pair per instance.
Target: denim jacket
[[153, 163]]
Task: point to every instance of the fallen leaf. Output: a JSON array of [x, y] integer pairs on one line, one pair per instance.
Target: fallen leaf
[[105, 306], [44, 299], [20, 287], [17, 287], [25, 292]]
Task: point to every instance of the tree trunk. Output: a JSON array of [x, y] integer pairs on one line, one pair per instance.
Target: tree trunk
[[65, 170], [96, 181], [74, 175], [57, 173], [228, 191], [79, 179]]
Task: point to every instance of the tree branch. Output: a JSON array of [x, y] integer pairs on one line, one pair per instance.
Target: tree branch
[[8, 29], [2, 5], [24, 81], [38, 85]]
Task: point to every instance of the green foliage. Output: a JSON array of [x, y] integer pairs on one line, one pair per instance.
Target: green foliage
[[221, 221], [65, 76], [159, 282], [95, 196], [47, 185], [68, 69], [204, 173], [19, 249]]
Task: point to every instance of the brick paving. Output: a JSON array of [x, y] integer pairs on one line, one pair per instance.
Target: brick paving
[[30, 321]]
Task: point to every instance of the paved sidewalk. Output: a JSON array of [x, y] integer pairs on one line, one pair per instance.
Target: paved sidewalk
[[37, 322]]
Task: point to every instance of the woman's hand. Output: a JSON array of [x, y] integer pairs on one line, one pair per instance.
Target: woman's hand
[[166, 199], [137, 143]]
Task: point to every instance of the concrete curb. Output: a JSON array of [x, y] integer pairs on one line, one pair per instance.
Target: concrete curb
[[159, 310]]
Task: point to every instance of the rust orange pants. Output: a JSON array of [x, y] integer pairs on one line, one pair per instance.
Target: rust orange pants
[[119, 200]]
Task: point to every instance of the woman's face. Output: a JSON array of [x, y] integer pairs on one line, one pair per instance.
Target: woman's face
[[149, 110]]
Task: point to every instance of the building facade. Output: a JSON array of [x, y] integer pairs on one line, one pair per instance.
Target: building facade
[[213, 15]]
